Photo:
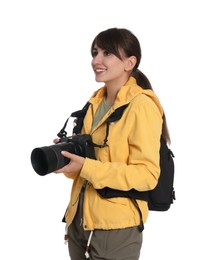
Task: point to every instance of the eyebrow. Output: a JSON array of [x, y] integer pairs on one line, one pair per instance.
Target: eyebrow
[[96, 48]]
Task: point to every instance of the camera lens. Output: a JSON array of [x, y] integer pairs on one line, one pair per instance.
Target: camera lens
[[48, 159]]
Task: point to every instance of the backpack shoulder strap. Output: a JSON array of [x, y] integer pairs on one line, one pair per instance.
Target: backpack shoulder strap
[[79, 114], [115, 116]]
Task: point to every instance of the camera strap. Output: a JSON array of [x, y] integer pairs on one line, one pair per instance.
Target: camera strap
[[80, 114]]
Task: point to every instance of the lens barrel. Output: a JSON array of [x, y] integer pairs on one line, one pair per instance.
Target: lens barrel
[[48, 159]]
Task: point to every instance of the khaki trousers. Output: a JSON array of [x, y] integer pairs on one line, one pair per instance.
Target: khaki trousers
[[118, 244]]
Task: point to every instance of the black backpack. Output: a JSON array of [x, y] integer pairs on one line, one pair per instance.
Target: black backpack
[[163, 195]]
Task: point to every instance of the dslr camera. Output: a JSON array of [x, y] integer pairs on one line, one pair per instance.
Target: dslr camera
[[48, 159]]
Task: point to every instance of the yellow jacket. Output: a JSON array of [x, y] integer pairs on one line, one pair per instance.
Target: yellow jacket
[[131, 159]]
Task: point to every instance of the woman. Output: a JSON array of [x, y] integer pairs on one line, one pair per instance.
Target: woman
[[108, 228]]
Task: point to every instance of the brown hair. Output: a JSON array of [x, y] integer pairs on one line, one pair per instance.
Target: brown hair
[[115, 39]]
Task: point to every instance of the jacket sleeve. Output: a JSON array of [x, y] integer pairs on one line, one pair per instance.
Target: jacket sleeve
[[140, 169]]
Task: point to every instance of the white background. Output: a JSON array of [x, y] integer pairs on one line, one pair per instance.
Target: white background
[[45, 74]]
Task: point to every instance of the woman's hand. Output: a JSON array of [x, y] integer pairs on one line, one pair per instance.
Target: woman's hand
[[74, 166], [56, 140]]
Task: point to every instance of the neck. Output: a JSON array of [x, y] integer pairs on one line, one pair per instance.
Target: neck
[[113, 89], [111, 96]]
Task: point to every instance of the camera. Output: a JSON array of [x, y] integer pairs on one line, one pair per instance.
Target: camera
[[48, 159]]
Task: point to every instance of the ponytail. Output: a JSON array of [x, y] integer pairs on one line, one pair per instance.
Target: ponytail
[[141, 79], [144, 82]]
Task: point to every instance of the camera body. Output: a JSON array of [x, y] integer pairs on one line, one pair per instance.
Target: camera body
[[48, 159]]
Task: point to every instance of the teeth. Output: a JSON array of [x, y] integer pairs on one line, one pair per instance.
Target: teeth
[[99, 70]]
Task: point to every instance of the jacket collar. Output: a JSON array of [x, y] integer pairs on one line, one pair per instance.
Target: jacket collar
[[125, 94]]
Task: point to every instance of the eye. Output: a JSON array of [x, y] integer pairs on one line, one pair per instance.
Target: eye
[[107, 53], [94, 53]]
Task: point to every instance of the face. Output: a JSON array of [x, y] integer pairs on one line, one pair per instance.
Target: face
[[108, 68]]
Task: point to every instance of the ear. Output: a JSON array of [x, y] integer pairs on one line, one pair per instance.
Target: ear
[[130, 63]]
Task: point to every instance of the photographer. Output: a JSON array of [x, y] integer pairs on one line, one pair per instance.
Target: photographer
[[107, 228]]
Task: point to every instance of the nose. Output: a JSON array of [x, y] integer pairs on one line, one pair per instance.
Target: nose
[[97, 59]]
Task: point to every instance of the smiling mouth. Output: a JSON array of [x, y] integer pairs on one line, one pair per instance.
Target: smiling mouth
[[100, 70]]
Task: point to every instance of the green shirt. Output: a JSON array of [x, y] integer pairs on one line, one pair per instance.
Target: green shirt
[[100, 112]]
